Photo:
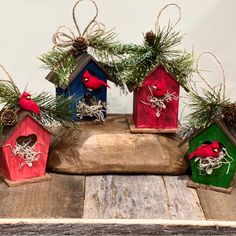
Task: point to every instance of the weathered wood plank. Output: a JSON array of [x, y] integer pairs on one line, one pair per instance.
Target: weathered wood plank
[[115, 227], [184, 202], [133, 196], [62, 196], [218, 206]]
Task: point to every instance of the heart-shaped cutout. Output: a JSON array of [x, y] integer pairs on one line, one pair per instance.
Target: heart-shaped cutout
[[29, 140]]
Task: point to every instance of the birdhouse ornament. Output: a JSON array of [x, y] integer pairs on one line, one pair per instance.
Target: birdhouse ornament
[[210, 131], [77, 73], [155, 72], [25, 138]]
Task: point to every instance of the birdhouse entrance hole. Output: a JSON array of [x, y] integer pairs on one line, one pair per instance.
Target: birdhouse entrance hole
[[29, 140]]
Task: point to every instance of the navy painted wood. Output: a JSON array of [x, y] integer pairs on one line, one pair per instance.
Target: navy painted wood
[[77, 89]]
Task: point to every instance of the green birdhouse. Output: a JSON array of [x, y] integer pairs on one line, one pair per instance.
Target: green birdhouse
[[212, 154]]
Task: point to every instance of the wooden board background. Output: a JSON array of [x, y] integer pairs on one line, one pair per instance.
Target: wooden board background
[[115, 197], [140, 197], [217, 205], [115, 227], [61, 197]]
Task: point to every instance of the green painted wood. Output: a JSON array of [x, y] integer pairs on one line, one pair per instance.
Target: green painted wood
[[218, 178]]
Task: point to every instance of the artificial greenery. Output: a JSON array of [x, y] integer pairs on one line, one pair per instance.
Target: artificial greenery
[[53, 109], [158, 49], [126, 63], [204, 108], [103, 46], [129, 63], [62, 62], [9, 94]]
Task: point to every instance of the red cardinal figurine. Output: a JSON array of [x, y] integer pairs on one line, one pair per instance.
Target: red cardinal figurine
[[159, 89], [28, 104], [206, 150], [92, 82]]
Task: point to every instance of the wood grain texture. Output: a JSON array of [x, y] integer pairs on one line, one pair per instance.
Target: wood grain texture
[[115, 196], [14, 171], [183, 202], [144, 115], [61, 197], [135, 130], [218, 206], [144, 197], [116, 228]]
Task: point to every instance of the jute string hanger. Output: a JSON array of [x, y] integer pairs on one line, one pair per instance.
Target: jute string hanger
[[222, 85], [65, 37], [172, 26]]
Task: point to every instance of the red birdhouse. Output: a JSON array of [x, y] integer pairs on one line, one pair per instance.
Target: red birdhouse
[[156, 102], [24, 149]]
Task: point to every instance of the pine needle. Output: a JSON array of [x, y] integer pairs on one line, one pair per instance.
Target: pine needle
[[54, 109], [8, 94], [61, 62], [205, 108]]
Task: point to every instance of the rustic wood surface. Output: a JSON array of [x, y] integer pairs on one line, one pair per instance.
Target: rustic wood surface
[[218, 206], [115, 227], [62, 196], [183, 202], [139, 196]]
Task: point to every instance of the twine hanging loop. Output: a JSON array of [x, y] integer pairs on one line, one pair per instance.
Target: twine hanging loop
[[157, 25], [65, 37], [204, 80]]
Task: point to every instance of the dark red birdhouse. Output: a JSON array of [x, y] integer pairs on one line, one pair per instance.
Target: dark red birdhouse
[[156, 102], [24, 149]]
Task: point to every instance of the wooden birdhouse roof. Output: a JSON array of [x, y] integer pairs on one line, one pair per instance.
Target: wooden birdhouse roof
[[9, 131], [81, 61], [230, 131], [132, 85]]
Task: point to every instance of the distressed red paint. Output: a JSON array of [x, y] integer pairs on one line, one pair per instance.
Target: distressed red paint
[[144, 116], [9, 163]]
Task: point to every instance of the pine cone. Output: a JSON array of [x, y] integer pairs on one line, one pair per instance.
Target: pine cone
[[150, 38], [80, 45], [9, 117], [229, 114]]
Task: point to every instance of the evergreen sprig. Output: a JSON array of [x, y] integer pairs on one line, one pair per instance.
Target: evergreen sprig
[[161, 52], [127, 63], [136, 61], [9, 96], [54, 109], [61, 62], [205, 108]]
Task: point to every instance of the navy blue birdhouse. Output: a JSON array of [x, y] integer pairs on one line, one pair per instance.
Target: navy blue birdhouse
[[88, 85]]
